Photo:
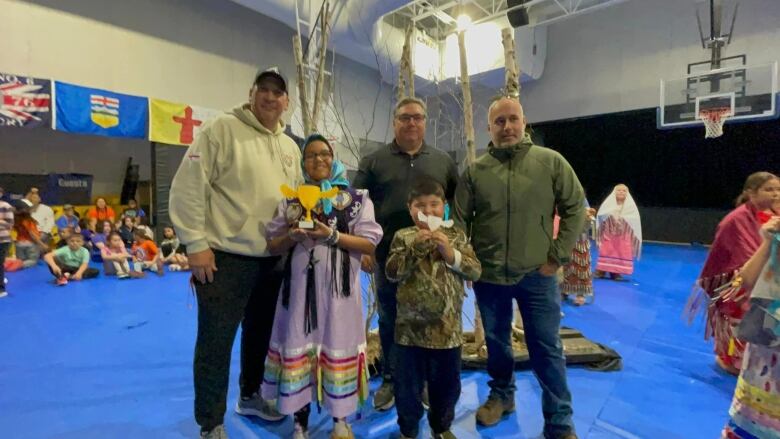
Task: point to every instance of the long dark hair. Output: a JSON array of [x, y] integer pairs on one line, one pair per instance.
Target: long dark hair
[[752, 184], [20, 216]]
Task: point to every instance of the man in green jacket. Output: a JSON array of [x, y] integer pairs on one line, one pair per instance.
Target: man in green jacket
[[506, 200]]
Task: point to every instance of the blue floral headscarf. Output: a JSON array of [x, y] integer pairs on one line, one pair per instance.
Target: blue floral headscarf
[[338, 172]]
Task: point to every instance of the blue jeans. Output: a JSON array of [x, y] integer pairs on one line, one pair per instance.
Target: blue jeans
[[540, 306]]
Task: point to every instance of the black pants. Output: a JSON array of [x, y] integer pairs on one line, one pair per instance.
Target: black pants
[[387, 309], [89, 273], [3, 253], [244, 290], [440, 368]]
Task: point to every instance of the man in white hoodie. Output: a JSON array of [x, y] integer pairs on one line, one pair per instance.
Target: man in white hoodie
[[225, 192]]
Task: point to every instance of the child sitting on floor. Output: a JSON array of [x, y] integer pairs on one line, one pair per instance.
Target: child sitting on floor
[[173, 252], [115, 257], [64, 233], [126, 231], [145, 253], [71, 262], [28, 239]]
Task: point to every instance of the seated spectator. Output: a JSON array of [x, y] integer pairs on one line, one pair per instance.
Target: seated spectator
[[70, 262], [101, 211], [173, 252], [134, 211], [65, 233], [28, 238], [68, 219], [115, 258], [126, 231], [42, 214], [147, 230], [145, 253], [87, 232]]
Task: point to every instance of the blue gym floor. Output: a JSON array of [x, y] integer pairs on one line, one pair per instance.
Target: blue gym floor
[[112, 359]]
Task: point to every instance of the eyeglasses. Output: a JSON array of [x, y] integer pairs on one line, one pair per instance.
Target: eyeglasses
[[406, 118], [324, 155]]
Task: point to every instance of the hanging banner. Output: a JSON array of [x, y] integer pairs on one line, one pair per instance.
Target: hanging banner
[[177, 124], [101, 112], [24, 102]]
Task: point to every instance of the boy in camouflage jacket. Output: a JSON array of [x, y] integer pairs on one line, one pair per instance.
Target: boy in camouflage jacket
[[430, 265]]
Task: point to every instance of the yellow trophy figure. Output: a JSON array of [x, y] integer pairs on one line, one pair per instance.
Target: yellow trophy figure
[[309, 195]]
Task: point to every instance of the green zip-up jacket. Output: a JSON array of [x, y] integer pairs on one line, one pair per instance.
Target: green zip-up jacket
[[506, 201]]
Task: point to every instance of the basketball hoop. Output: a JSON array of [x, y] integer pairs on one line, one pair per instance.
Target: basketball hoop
[[713, 119]]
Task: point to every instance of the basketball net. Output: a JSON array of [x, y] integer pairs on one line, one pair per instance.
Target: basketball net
[[713, 119]]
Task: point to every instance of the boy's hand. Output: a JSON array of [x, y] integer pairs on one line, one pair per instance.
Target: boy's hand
[[422, 236], [421, 240], [76, 276], [444, 247], [57, 271]]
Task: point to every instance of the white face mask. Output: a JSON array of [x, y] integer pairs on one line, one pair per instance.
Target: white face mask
[[433, 221]]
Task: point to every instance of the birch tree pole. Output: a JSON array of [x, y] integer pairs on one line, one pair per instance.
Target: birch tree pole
[[512, 81], [471, 156], [311, 114], [405, 67]]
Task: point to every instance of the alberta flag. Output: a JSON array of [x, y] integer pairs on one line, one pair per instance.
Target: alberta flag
[[101, 112]]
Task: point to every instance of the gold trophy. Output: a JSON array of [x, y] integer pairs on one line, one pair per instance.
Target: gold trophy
[[309, 195]]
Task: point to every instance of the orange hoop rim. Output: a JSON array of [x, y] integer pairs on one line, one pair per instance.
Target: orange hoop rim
[[715, 114]]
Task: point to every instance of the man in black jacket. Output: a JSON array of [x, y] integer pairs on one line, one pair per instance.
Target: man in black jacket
[[389, 174]]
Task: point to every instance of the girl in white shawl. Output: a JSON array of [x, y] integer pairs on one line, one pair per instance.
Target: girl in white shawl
[[619, 234]]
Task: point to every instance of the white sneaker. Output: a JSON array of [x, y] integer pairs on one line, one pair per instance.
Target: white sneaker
[[217, 432], [3, 294], [257, 406]]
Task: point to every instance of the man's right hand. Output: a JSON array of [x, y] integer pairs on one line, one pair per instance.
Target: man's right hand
[[203, 265]]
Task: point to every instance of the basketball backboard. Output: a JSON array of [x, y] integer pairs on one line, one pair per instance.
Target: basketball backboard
[[749, 91]]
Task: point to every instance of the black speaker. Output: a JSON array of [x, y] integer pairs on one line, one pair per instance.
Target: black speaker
[[517, 17], [130, 184]]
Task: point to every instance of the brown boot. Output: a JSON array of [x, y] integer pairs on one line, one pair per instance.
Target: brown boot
[[493, 410]]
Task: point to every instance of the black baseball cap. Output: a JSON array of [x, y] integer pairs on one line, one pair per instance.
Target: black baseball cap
[[272, 72]]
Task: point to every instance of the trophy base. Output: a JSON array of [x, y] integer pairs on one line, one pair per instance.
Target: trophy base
[[306, 225]]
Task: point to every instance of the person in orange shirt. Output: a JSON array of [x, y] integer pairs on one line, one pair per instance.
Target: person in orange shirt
[[101, 211], [28, 239], [145, 253]]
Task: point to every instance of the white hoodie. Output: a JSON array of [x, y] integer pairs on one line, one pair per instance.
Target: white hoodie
[[227, 187]]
